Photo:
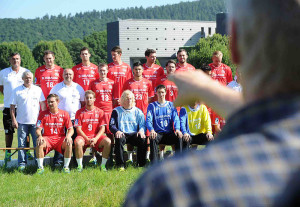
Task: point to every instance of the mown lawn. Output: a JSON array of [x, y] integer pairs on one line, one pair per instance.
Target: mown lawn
[[88, 188]]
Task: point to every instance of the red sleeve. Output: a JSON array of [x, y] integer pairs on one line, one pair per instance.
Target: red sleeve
[[161, 72], [129, 73], [77, 119], [114, 91], [37, 76], [68, 123], [125, 86], [91, 86], [61, 74], [228, 74], [150, 90], [75, 74], [102, 118], [97, 73], [39, 123]]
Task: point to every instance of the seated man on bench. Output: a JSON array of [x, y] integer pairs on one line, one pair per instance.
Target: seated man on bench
[[53, 122], [90, 127], [161, 117]]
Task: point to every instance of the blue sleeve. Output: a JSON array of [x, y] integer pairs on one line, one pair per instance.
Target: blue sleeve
[[149, 118], [183, 120], [141, 121], [113, 123], [175, 119]]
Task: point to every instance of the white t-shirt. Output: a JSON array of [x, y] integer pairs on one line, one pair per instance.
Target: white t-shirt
[[69, 97], [235, 86], [10, 80], [27, 101]]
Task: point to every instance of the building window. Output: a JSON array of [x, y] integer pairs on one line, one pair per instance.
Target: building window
[[137, 28], [165, 38], [209, 30], [147, 38], [127, 27], [182, 38], [182, 29], [127, 48], [138, 48], [173, 28], [202, 30], [147, 28], [156, 38], [165, 48], [156, 48], [156, 28], [191, 39], [165, 28], [127, 38], [137, 38], [174, 39]]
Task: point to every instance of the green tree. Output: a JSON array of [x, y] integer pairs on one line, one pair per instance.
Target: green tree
[[98, 43], [62, 55], [74, 46], [203, 50], [27, 60]]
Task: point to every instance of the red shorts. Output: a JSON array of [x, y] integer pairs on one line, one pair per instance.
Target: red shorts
[[55, 144], [86, 144]]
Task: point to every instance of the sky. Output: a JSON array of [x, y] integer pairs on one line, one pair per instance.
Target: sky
[[30, 9]]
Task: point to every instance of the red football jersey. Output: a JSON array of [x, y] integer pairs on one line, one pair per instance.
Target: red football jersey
[[105, 93], [119, 74], [153, 73], [84, 75], [89, 121], [54, 124], [48, 78], [172, 90], [187, 67], [142, 90], [222, 73]]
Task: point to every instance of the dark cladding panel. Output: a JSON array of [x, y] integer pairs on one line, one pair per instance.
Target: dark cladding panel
[[112, 38], [222, 23]]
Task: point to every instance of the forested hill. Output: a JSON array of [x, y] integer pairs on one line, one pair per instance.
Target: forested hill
[[31, 31]]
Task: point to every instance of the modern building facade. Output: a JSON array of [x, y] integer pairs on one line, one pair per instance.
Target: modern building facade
[[134, 36]]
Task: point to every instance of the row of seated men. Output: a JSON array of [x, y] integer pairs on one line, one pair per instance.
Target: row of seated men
[[107, 90]]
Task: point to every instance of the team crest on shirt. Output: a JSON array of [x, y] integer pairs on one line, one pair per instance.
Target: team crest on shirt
[[43, 78], [92, 72], [79, 76], [76, 121], [38, 124], [97, 115], [78, 68], [217, 120], [110, 86], [56, 74], [97, 91], [145, 86], [60, 119], [168, 111]]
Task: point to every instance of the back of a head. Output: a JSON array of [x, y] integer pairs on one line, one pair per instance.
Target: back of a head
[[268, 39]]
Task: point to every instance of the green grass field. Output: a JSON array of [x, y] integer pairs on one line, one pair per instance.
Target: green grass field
[[89, 188]]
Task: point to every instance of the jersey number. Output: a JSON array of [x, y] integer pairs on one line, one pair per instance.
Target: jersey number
[[86, 82], [53, 131], [164, 123], [138, 96], [104, 97], [90, 127], [49, 84]]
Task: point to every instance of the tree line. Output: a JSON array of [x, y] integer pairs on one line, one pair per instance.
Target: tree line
[[68, 27]]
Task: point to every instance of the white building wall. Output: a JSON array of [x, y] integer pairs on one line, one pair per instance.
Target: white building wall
[[165, 36]]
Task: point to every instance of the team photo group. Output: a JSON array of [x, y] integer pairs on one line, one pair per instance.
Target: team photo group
[[104, 107]]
